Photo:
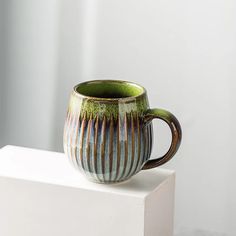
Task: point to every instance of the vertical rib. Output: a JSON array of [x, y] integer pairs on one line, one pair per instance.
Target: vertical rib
[[71, 137], [95, 147], [81, 140], [139, 142], [76, 139], [88, 144], [126, 145], [103, 135], [132, 143], [118, 147], [139, 158], [111, 133]]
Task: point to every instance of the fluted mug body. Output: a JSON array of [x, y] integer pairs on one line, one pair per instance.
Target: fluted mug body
[[108, 133]]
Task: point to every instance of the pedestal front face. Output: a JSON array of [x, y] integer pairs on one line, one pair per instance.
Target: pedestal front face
[[41, 194]]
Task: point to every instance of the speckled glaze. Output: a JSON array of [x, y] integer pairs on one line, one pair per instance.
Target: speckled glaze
[[108, 130]]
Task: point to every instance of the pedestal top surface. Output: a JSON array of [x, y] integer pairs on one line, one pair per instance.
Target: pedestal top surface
[[54, 168]]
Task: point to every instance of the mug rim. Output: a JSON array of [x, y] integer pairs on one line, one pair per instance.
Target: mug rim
[[128, 98]]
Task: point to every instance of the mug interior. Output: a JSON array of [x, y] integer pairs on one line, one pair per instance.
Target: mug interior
[[109, 89]]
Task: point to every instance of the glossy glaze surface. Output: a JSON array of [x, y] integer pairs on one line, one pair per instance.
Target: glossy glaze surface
[[106, 138]]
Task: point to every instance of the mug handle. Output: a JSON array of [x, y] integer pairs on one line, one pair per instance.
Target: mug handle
[[176, 132]]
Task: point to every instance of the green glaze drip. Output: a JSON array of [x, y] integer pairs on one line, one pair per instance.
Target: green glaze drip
[[95, 108]]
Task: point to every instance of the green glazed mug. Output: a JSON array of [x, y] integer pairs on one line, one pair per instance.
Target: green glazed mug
[[108, 130]]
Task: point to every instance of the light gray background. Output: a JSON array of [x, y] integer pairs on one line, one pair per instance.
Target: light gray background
[[183, 52]]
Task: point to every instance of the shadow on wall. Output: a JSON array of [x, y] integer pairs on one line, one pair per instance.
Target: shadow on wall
[[1, 72], [42, 61]]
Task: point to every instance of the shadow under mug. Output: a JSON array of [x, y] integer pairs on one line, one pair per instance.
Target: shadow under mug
[[108, 130]]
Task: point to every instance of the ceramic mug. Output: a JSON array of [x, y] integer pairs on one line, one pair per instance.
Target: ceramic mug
[[108, 130]]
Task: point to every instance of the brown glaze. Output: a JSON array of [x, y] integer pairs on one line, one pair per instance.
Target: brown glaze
[[176, 132]]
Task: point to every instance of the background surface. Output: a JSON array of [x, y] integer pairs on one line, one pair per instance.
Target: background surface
[[183, 52]]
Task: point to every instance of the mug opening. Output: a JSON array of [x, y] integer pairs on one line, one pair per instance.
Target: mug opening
[[109, 89]]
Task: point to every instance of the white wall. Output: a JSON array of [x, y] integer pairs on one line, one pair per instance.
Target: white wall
[[183, 52]]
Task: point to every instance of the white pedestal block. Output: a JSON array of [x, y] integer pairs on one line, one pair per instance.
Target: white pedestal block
[[42, 195]]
